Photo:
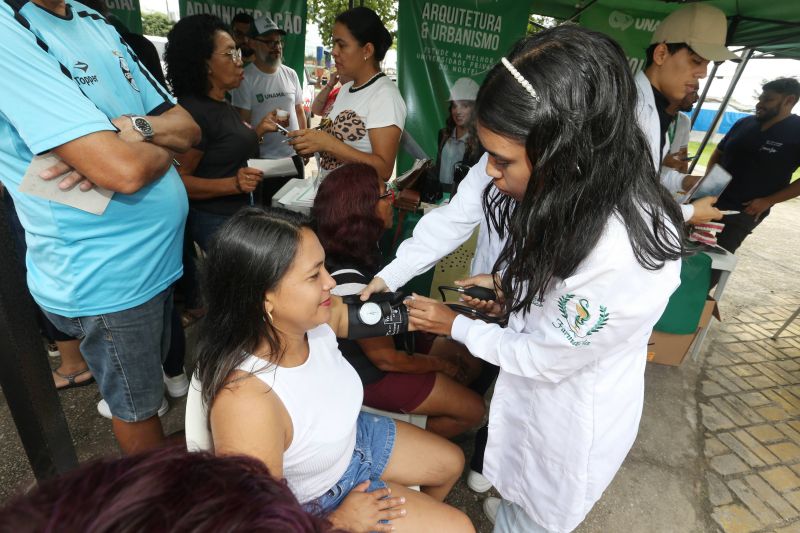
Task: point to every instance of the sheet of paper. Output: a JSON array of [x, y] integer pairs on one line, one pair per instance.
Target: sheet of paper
[[300, 196], [712, 184], [94, 201], [274, 168]]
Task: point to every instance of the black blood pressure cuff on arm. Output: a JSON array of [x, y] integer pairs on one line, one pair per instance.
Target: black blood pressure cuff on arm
[[384, 314]]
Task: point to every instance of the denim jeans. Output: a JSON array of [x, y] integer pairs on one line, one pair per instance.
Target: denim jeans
[[124, 351], [374, 444], [511, 518], [200, 227]]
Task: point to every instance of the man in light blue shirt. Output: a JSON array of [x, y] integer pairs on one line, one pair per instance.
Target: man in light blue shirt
[[69, 86]]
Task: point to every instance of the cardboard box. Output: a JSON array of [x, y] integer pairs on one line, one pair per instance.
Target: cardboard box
[[669, 349]]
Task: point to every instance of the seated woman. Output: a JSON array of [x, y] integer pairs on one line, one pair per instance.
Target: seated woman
[[203, 64], [352, 209], [278, 388]]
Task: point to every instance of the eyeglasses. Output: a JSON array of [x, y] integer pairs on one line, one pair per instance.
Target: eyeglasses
[[272, 43], [235, 53], [388, 194]]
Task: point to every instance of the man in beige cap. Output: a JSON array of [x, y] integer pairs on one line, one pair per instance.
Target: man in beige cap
[[677, 58]]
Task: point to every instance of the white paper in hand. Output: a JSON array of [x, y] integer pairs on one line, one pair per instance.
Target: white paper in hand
[[94, 201], [274, 168]]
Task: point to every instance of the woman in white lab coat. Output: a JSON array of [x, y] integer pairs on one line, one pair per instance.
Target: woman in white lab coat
[[590, 259]]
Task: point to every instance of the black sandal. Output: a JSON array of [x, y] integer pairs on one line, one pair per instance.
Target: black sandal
[[71, 383]]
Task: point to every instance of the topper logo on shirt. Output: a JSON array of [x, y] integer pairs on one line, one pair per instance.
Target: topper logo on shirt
[[88, 79], [577, 314], [123, 65]]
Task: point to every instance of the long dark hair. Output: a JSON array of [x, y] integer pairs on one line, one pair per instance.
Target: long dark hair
[[590, 161], [247, 257], [344, 215], [190, 44]]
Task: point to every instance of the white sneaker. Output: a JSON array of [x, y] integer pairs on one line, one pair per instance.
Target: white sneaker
[[477, 482], [103, 409], [177, 386], [490, 507]]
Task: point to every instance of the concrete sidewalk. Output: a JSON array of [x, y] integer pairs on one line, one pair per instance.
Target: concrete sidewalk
[[719, 443]]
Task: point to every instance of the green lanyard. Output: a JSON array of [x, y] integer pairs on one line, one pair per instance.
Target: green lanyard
[[671, 129]]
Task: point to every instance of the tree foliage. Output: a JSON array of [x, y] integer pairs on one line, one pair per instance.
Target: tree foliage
[[537, 23], [323, 13], [156, 24]]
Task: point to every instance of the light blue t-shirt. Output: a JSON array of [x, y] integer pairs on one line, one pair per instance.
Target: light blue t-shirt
[[80, 264]]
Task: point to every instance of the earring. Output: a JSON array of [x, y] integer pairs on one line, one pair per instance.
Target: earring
[[268, 317], [365, 58]]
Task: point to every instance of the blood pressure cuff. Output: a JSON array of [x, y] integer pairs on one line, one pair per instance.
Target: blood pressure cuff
[[394, 316]]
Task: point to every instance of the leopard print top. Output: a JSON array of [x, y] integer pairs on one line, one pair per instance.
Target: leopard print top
[[347, 127]]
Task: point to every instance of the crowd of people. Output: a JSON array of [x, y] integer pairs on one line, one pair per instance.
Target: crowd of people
[[565, 163]]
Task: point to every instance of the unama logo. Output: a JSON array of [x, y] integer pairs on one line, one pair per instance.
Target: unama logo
[[123, 65], [619, 20]]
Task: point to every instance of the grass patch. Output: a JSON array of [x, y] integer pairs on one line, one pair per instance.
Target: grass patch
[[710, 147]]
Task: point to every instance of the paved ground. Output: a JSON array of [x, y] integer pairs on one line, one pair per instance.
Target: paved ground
[[719, 443]]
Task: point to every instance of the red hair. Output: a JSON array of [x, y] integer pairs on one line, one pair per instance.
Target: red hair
[[345, 213], [162, 490]]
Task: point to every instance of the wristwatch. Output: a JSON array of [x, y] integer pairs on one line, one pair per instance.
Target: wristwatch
[[143, 126]]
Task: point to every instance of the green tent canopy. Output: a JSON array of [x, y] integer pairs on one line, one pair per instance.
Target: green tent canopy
[[771, 27]]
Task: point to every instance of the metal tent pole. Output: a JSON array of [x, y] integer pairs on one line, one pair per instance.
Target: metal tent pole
[[724, 104], [702, 99], [25, 373]]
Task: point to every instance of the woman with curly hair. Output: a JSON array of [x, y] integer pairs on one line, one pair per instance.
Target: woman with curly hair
[[203, 64], [352, 209]]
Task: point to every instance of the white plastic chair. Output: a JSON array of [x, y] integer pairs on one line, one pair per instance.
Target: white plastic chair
[[198, 436], [418, 420]]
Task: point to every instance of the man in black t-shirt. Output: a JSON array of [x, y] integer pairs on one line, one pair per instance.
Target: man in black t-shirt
[[761, 152]]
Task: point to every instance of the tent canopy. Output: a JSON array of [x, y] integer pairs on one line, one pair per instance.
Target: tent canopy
[[770, 26]]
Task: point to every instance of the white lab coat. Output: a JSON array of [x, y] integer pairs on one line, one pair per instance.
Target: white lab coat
[[647, 116], [569, 396], [444, 229]]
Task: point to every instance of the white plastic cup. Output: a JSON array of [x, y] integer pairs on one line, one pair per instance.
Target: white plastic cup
[[282, 114]]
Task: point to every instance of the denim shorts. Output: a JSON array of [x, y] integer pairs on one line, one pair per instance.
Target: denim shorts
[[124, 351], [374, 443]]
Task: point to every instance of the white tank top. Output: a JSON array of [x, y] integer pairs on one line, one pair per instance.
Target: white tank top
[[323, 397]]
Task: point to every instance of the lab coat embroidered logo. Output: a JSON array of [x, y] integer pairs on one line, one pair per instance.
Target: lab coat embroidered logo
[[123, 65], [580, 318]]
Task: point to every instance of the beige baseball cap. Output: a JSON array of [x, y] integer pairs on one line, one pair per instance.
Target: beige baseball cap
[[704, 28], [464, 89]]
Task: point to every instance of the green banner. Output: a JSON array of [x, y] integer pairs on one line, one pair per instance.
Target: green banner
[[439, 43], [631, 29], [289, 15], [127, 12]]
